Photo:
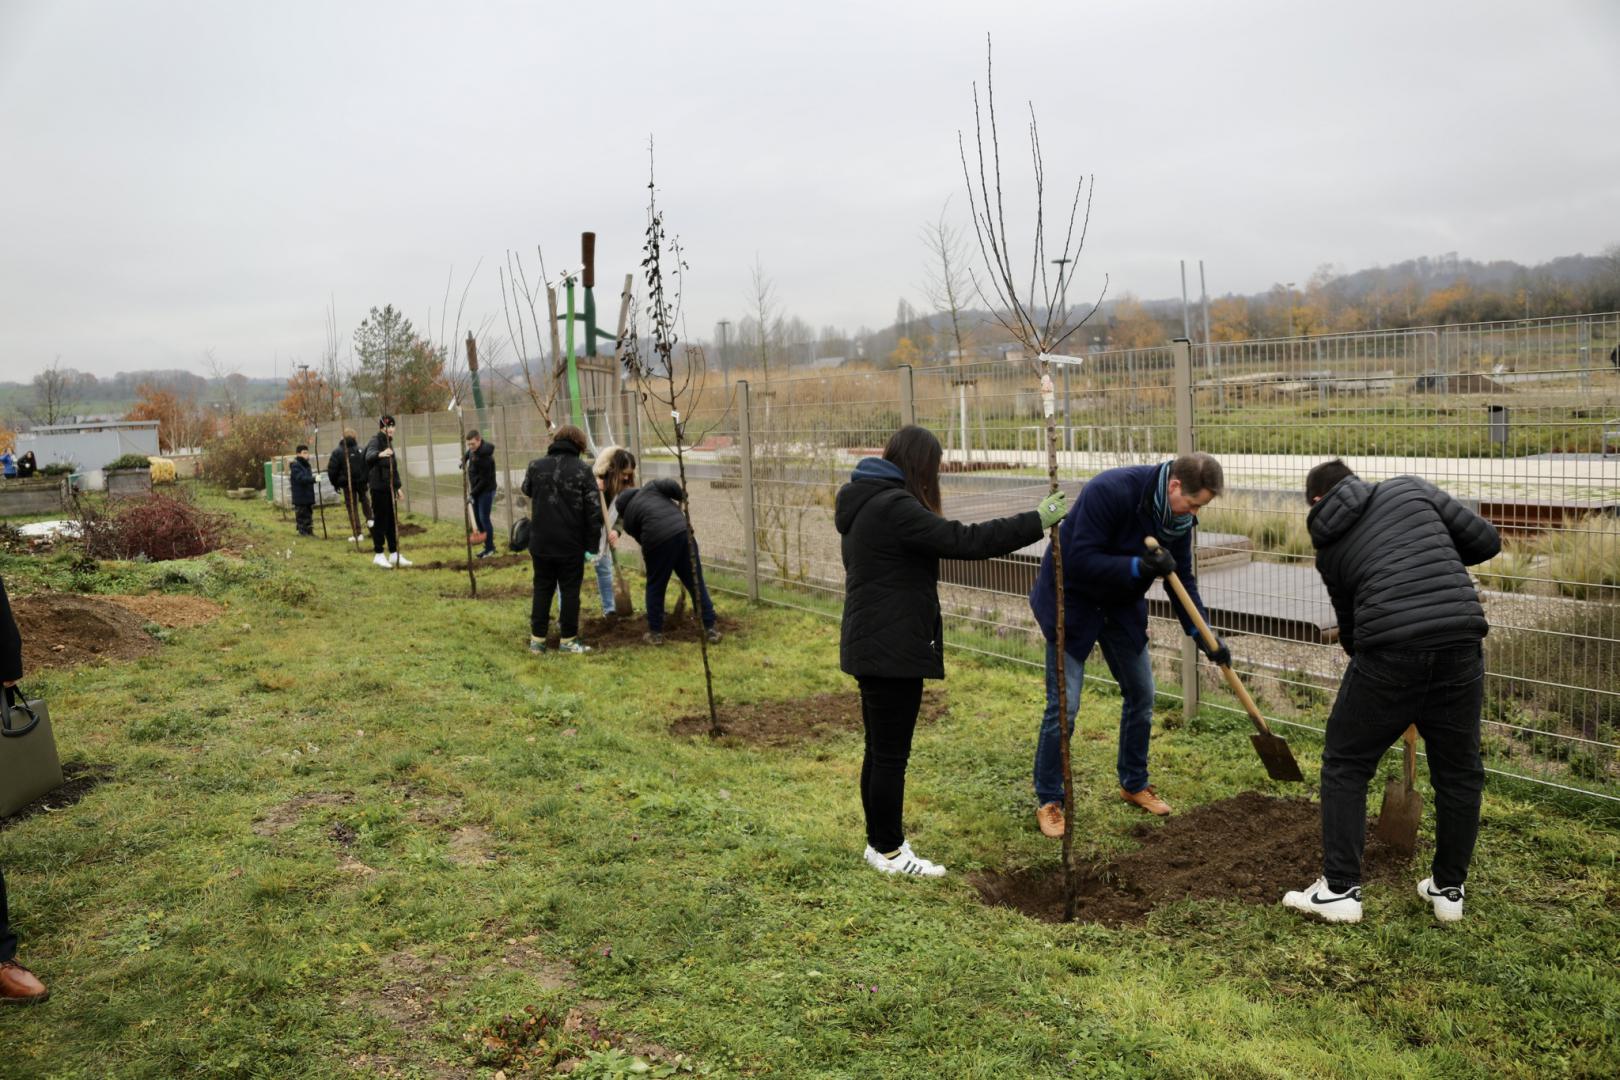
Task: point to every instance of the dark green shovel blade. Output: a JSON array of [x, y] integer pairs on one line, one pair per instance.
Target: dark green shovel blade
[[1276, 756]]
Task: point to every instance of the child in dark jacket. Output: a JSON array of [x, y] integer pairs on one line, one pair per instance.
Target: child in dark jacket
[[893, 636], [303, 491], [652, 515], [566, 515]]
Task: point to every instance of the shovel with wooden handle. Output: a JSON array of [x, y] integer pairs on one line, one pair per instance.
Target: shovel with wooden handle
[[621, 588], [1403, 806], [1273, 749]]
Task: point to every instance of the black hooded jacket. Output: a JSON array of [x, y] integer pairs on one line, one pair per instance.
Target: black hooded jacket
[[302, 476], [480, 466], [382, 474], [565, 509], [651, 514], [892, 546], [1393, 556], [337, 473]]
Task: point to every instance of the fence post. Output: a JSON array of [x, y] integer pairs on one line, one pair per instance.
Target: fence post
[[632, 421], [1583, 343], [1182, 350], [511, 492], [433, 478], [745, 441], [399, 463], [908, 396]]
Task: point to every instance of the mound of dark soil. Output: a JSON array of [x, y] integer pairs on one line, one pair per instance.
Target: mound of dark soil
[[78, 782], [1251, 848], [62, 629], [614, 630], [408, 529], [794, 721]]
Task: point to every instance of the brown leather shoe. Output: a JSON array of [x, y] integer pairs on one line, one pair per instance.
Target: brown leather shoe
[[1147, 799], [19, 987], [1050, 819]]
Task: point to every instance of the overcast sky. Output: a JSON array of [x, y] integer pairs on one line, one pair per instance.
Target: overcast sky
[[176, 177]]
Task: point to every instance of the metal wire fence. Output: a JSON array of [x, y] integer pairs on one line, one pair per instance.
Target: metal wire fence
[[1521, 420]]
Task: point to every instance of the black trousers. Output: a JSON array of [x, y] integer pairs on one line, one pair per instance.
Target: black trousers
[[556, 575], [305, 517], [1383, 692], [358, 507], [889, 715], [386, 529], [8, 940]]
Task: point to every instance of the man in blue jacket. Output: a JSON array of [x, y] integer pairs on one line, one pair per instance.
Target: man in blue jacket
[[303, 491], [1107, 571]]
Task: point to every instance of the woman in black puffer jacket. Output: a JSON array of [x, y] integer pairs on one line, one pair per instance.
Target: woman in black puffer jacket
[[893, 638]]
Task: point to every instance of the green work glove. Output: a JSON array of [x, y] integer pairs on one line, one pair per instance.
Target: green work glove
[[1052, 508], [590, 557]]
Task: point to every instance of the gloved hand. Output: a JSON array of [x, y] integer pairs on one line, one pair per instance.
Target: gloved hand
[[590, 557], [1052, 508], [1220, 655], [1158, 562]]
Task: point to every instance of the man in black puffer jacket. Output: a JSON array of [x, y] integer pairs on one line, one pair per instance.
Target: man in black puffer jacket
[[383, 478], [479, 461], [346, 472], [1394, 558], [652, 515], [565, 515]]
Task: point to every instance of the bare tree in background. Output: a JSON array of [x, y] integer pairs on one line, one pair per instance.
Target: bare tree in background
[[518, 297], [1035, 311], [766, 314], [56, 394], [669, 382], [947, 283], [232, 383]]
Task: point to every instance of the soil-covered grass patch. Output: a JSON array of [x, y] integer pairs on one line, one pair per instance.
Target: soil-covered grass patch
[[604, 631], [1250, 848], [794, 721], [63, 629]]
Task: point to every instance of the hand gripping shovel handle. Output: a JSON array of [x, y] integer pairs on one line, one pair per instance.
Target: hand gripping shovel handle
[[1211, 644]]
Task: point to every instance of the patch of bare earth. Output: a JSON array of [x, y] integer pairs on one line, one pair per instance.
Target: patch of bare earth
[[278, 819], [1250, 848], [172, 611], [63, 629], [794, 721]]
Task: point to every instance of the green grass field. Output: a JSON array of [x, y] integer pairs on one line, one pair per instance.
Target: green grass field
[[354, 829]]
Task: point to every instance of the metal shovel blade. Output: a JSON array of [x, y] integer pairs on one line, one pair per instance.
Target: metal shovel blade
[[1402, 813], [1276, 756]]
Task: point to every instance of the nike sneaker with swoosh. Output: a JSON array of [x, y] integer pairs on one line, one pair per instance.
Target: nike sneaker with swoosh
[[1448, 901], [1323, 903]]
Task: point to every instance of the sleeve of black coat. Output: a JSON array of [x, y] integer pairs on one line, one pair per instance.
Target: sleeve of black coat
[[1476, 538], [925, 533], [373, 448], [592, 500], [1344, 606], [11, 666]]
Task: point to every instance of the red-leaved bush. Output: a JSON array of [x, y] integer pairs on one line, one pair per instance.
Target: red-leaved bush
[[157, 527]]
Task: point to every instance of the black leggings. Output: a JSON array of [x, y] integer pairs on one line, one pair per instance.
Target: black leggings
[[8, 940], [889, 714]]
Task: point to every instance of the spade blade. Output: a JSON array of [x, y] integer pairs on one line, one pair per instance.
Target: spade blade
[[1276, 756]]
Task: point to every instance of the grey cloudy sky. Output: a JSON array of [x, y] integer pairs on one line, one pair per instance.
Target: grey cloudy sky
[[185, 176]]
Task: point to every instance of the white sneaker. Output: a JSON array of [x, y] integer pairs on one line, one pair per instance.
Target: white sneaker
[[1322, 902], [381, 560], [354, 539], [906, 862], [1448, 903], [400, 560]]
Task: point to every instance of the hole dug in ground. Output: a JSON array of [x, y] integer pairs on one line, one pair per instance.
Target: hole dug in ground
[[795, 721], [1250, 848]]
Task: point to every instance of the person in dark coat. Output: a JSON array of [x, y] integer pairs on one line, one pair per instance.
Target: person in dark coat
[[18, 985], [1107, 571], [302, 478], [26, 466], [652, 515], [1394, 558], [383, 478], [346, 472], [479, 461], [565, 515], [892, 635]]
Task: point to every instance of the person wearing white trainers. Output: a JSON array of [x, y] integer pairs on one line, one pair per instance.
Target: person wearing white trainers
[[382, 477], [381, 560], [904, 861], [1394, 557], [893, 537], [1447, 902], [399, 560], [1325, 903]]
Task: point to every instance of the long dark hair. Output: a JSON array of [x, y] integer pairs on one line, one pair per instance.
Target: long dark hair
[[915, 450]]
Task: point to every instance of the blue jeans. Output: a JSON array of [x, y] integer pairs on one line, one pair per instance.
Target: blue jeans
[[481, 507], [604, 580], [1133, 671]]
